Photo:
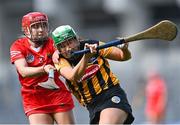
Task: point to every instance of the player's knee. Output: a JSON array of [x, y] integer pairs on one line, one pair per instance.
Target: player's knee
[[113, 116]]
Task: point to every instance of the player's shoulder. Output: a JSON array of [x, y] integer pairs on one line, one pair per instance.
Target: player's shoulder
[[20, 42], [49, 41]]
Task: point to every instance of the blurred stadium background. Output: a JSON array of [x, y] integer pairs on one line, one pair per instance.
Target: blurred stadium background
[[103, 20]]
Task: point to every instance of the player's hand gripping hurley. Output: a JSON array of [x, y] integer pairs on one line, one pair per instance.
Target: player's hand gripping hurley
[[164, 30]]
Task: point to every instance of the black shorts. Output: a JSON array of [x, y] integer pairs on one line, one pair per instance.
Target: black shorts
[[109, 99]]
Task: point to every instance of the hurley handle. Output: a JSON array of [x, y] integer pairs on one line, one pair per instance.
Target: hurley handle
[[106, 45]]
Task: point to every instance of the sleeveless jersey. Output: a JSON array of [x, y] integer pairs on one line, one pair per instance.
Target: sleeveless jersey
[[97, 77]]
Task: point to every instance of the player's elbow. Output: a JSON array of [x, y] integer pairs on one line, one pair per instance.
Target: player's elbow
[[23, 74], [71, 77], [123, 57], [127, 57], [74, 78]]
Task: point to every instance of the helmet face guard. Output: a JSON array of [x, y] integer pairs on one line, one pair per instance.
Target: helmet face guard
[[65, 39], [32, 19]]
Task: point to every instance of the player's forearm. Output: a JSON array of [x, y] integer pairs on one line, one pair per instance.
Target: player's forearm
[[79, 69], [119, 54], [31, 71]]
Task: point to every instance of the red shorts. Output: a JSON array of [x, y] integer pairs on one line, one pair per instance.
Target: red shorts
[[42, 100]]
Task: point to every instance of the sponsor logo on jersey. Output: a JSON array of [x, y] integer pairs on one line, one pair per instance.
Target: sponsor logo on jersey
[[30, 58], [90, 71]]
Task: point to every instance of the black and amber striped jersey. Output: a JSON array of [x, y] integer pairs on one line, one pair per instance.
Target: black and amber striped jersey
[[97, 77]]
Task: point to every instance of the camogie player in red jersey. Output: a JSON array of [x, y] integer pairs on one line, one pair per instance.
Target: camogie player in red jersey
[[45, 100], [156, 98]]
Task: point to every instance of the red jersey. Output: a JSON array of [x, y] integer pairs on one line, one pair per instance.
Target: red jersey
[[21, 48], [156, 96]]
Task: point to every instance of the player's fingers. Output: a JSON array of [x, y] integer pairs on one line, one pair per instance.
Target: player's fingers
[[52, 67], [48, 67], [93, 48], [86, 46], [126, 45], [89, 46]]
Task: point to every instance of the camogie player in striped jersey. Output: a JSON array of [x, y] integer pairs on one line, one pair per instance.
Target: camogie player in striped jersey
[[90, 78]]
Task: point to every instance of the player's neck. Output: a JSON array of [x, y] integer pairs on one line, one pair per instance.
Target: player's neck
[[34, 45]]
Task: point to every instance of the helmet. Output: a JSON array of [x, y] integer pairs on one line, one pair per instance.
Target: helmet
[[62, 33], [32, 18]]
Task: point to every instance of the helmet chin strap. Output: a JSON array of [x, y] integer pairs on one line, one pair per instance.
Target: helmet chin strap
[[39, 41]]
